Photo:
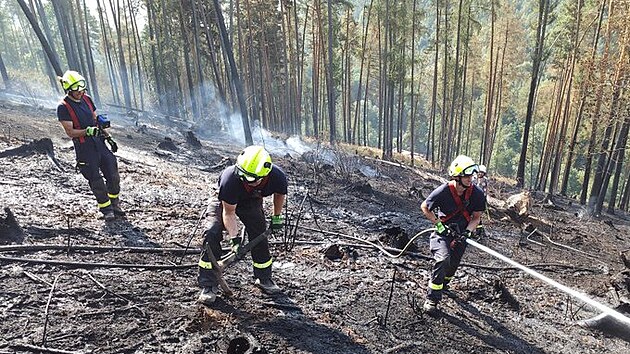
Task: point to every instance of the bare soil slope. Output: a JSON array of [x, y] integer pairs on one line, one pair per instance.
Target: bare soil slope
[[341, 294]]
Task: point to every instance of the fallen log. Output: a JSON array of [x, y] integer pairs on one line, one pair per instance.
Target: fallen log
[[92, 248], [36, 349], [97, 265]]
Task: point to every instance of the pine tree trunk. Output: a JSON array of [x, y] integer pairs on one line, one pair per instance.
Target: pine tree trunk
[[75, 36], [108, 54], [456, 80], [227, 46], [94, 93], [600, 167], [543, 9], [139, 56], [153, 42], [348, 74], [564, 117], [46, 27], [42, 39], [122, 62], [251, 82], [201, 83], [584, 90], [489, 91], [61, 12], [494, 126], [187, 62], [365, 100], [626, 195], [330, 83], [551, 135], [595, 124], [412, 123], [463, 92], [620, 151], [4, 74], [317, 49], [431, 131], [444, 144], [214, 59]]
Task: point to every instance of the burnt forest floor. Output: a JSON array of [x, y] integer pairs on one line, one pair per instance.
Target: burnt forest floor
[[337, 286]]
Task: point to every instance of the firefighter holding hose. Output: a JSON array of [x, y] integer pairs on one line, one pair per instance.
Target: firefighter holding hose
[[455, 208]]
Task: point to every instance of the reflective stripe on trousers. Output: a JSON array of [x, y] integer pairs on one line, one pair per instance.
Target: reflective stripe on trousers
[[263, 265], [446, 263], [205, 265]]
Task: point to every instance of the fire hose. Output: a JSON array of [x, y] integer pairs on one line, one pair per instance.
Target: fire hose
[[576, 294]]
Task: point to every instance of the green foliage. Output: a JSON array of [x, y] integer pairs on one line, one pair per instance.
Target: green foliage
[[507, 151], [574, 186], [281, 45]]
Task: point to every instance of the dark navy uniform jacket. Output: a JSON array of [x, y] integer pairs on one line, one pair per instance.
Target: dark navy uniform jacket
[[232, 190], [442, 199]]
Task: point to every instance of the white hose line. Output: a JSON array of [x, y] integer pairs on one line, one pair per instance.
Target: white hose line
[[605, 309]]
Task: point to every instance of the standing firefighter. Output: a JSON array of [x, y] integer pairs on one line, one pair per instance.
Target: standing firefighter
[[459, 205], [242, 188], [77, 114], [481, 179]]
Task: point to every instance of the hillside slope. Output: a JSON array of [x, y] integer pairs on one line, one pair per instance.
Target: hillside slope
[[330, 305]]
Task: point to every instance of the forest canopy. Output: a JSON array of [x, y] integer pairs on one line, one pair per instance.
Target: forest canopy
[[536, 91]]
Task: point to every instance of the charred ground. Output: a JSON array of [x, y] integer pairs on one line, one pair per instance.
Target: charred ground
[[341, 295]]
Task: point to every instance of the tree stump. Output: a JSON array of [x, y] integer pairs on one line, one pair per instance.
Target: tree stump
[[10, 230]]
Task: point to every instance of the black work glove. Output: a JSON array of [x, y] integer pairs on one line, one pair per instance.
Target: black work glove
[[112, 144], [460, 239], [455, 243]]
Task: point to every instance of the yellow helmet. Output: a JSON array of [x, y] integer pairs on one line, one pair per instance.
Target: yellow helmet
[[462, 166], [253, 163], [73, 81]]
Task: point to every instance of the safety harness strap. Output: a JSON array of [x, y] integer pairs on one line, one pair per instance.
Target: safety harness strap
[[461, 205]]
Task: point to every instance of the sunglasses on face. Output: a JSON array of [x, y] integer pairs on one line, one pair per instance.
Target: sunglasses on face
[[78, 86]]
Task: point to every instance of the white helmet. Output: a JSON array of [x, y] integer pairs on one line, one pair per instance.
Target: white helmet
[[482, 169]]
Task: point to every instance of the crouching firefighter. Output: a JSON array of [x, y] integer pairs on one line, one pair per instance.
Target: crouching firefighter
[[77, 115], [242, 188], [459, 205]]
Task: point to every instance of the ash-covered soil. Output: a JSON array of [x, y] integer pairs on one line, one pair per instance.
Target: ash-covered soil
[[341, 293]]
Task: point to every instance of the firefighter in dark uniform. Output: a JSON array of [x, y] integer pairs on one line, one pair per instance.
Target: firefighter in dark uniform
[[480, 179], [459, 205], [77, 114], [242, 188]]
